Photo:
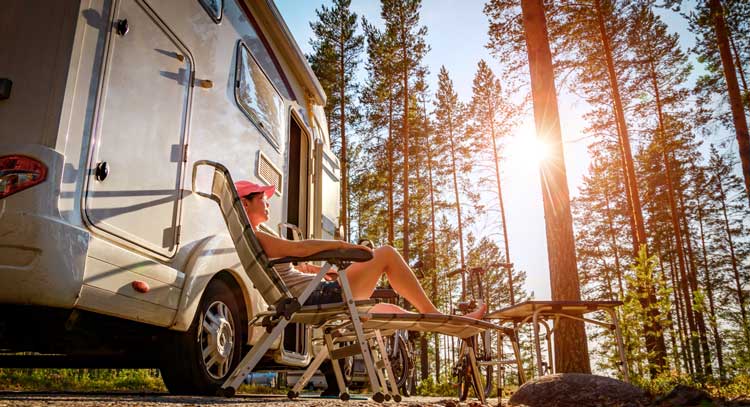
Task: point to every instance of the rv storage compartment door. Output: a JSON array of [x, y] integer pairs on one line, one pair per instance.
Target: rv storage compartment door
[[140, 132]]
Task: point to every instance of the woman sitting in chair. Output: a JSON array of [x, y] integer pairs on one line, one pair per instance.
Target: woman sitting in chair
[[363, 277]]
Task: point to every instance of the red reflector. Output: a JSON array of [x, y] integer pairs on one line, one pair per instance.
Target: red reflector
[[140, 286], [18, 172]]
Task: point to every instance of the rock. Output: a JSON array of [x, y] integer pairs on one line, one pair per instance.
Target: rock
[[683, 395], [578, 390]]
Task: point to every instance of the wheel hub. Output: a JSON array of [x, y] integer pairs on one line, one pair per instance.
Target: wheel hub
[[224, 339], [217, 339]]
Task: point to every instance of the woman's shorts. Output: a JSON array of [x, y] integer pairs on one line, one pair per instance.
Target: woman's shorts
[[327, 292]]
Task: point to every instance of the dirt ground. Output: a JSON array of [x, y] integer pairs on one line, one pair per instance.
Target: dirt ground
[[8, 399]]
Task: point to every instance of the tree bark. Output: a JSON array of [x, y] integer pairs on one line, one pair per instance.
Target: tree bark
[[687, 293], [405, 140], [571, 348], [733, 89], [502, 205], [700, 320], [679, 311], [344, 160], [613, 244], [391, 214], [458, 205], [433, 249], [708, 283]]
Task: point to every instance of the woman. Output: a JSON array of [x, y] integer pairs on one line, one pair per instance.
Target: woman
[[363, 277]]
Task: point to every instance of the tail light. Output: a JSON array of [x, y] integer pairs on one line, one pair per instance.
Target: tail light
[[18, 172]]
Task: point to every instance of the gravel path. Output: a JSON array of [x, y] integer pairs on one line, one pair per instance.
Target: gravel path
[[8, 399]]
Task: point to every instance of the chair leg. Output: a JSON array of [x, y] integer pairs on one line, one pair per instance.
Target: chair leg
[[309, 372], [343, 390], [377, 395], [388, 367], [247, 364], [377, 359]]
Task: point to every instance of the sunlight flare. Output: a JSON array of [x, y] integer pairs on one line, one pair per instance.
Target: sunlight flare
[[525, 149]]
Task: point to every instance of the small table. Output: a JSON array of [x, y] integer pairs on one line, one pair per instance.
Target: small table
[[541, 312]]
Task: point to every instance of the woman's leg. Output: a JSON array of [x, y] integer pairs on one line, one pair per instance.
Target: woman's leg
[[363, 277]]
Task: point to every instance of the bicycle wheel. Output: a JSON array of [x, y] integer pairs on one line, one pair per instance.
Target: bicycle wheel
[[465, 377]]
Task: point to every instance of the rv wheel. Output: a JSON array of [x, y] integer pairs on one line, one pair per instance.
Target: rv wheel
[[200, 360]]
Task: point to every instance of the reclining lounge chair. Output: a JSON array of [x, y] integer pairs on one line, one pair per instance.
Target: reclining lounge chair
[[349, 327]]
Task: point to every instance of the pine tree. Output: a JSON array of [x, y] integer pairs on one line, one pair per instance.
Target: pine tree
[[571, 349], [717, 24], [659, 76], [379, 98], [494, 116], [401, 19], [336, 54], [449, 125]]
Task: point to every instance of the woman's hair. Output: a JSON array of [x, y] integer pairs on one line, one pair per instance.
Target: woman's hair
[[252, 195]]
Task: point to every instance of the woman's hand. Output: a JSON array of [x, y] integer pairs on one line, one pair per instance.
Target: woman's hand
[[331, 275], [347, 245]]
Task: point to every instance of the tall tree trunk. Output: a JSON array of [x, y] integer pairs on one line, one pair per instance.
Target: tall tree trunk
[[458, 205], [571, 348], [670, 325], [405, 140], [613, 243], [700, 320], [733, 89], [708, 283], [680, 311], [502, 205], [654, 335], [687, 294], [391, 214], [344, 160], [735, 266], [433, 249]]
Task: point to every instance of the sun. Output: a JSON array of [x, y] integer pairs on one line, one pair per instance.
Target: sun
[[524, 149]]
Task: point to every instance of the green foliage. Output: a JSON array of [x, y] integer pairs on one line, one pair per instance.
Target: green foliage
[[142, 380], [662, 384], [634, 317], [428, 387]]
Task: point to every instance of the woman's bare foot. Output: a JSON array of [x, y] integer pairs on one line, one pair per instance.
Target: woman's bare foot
[[479, 312]]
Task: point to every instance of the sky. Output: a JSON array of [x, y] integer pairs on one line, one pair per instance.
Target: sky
[[457, 34]]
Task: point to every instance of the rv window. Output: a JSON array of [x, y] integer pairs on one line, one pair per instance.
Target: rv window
[[214, 8], [258, 98]]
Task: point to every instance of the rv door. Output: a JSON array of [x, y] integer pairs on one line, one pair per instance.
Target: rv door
[[327, 178], [137, 159]]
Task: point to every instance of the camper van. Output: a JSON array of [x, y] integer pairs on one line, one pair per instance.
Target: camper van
[[107, 257]]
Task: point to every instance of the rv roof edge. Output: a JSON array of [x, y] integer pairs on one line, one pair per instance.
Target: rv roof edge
[[293, 53]]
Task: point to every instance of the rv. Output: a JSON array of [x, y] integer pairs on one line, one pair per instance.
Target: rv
[[107, 258]]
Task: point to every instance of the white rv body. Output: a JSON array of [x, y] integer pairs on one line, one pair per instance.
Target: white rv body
[[118, 115]]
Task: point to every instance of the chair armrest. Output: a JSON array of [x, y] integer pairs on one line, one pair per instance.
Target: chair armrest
[[336, 256]]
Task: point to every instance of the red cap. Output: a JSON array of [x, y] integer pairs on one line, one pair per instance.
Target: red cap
[[245, 188]]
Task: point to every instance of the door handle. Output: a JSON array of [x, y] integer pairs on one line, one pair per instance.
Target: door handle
[[122, 27], [102, 171]]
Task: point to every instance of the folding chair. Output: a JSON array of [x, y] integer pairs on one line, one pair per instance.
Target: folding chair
[[282, 304], [349, 327]]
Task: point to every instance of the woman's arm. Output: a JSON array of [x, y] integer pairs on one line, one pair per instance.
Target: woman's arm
[[275, 247]]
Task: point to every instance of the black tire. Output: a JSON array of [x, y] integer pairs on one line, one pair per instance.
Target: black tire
[[465, 380], [399, 360], [183, 367]]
